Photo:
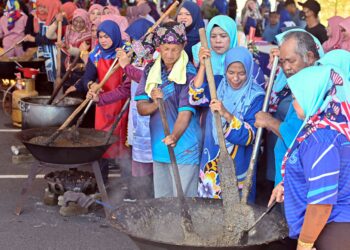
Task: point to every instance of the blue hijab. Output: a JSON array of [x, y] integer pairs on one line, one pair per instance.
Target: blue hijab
[[221, 6], [192, 30], [339, 58], [281, 79], [238, 101], [112, 30], [229, 26], [138, 28]]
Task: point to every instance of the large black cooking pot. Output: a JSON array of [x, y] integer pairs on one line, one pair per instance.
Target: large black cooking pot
[[156, 224], [66, 155], [37, 114]]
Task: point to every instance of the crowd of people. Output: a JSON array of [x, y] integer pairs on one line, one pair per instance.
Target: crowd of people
[[307, 138]]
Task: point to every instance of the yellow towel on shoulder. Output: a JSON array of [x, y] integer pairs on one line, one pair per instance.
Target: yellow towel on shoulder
[[177, 74]]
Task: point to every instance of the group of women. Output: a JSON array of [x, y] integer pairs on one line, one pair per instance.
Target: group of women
[[100, 35]]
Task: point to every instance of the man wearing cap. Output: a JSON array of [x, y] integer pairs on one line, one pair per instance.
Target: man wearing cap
[[167, 78], [311, 9]]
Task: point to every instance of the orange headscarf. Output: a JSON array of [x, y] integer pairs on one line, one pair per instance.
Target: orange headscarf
[[52, 6], [69, 9]]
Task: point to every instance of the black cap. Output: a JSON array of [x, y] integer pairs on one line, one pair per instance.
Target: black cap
[[312, 5]]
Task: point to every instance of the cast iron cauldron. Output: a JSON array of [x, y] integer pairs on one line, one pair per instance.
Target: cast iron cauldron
[[37, 114], [68, 154], [156, 224]]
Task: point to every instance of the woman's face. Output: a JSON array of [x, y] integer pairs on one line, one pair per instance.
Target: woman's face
[[298, 109], [184, 17], [104, 40], [219, 40], [236, 75], [94, 14], [94, 31], [78, 24], [329, 31], [42, 10], [106, 11], [346, 34]]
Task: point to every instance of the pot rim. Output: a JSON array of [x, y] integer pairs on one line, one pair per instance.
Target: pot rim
[[28, 98]]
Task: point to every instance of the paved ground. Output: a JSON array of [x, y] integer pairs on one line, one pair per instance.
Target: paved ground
[[40, 226]]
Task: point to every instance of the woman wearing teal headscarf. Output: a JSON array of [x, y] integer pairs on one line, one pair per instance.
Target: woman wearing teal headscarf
[[225, 38], [281, 109], [239, 98], [316, 167], [339, 58]]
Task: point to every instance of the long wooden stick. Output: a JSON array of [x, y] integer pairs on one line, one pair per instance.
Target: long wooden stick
[[256, 147], [165, 14], [186, 217], [53, 137], [111, 70], [227, 170], [58, 56], [60, 82], [12, 47]]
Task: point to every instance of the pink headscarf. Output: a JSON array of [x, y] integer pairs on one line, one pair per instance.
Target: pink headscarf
[[94, 40], [334, 40], [74, 38], [114, 10], [96, 7], [121, 21], [345, 24]]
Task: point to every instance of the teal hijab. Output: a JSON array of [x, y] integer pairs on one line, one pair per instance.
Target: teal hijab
[[323, 93], [281, 79], [339, 58], [229, 26], [237, 101]]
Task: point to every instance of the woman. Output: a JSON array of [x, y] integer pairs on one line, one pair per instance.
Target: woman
[[100, 60], [239, 99], [112, 13], [345, 30], [251, 17], [138, 126], [12, 25], [95, 12], [333, 33], [221, 34], [316, 172], [339, 58], [77, 38], [77, 33], [43, 16], [190, 16]]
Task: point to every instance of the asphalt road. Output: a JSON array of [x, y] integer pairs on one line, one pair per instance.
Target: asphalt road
[[41, 227]]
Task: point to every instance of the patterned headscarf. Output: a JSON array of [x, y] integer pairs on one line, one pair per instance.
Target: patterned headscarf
[[13, 13], [324, 100], [170, 33]]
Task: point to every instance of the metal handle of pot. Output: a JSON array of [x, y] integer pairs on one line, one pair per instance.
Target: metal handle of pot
[[24, 107]]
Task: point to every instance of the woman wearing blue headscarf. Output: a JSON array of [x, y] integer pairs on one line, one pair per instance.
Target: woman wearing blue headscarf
[[221, 34], [316, 167], [239, 98], [190, 15], [339, 58], [100, 60]]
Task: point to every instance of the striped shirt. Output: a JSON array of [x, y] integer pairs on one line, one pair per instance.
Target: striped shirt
[[318, 172]]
